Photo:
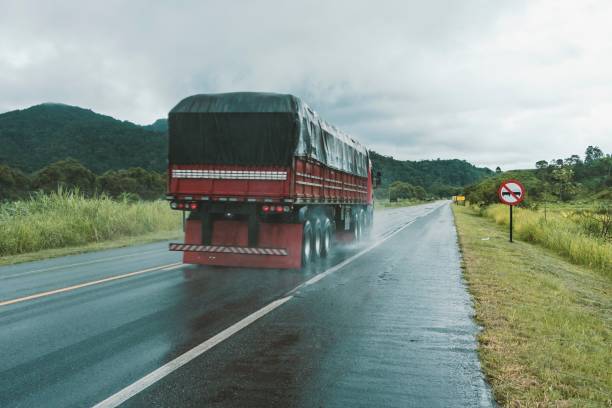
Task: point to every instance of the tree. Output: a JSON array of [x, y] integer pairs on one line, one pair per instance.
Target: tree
[[419, 193], [592, 153], [563, 177], [573, 160], [541, 164], [401, 190], [498, 169], [145, 184], [65, 173], [13, 183]]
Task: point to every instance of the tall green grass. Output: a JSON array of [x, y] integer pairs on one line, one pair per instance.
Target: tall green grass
[[67, 218], [559, 232]]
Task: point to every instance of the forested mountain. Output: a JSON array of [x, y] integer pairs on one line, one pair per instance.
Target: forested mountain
[[438, 177], [35, 137]]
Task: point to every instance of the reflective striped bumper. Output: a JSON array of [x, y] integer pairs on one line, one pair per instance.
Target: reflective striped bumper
[[228, 249]]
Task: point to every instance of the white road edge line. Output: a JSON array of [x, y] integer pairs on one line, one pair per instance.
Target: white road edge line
[[86, 284], [128, 392], [51, 268]]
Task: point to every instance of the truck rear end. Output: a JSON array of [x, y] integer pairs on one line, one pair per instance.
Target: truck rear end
[[263, 181]]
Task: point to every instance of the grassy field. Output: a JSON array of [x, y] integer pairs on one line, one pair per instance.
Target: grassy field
[[69, 220], [547, 322], [575, 234]]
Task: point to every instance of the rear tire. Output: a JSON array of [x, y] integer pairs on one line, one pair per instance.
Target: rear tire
[[326, 237], [307, 243]]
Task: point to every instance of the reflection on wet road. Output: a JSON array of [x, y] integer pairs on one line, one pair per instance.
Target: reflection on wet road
[[391, 328]]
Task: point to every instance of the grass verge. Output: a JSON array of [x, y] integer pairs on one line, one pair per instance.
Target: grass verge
[[559, 232], [547, 322], [67, 222]]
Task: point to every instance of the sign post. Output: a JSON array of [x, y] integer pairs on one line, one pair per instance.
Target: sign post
[[511, 192]]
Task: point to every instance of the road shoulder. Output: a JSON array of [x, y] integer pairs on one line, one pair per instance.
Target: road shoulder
[[546, 322]]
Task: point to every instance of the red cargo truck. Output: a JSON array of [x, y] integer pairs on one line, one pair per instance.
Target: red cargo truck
[[264, 180]]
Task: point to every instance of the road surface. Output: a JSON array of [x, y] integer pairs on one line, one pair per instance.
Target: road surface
[[385, 323]]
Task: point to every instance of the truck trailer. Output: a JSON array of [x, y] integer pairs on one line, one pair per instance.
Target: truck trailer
[[263, 181]]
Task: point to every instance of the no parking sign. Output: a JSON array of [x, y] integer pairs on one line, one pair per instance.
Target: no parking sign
[[511, 192]]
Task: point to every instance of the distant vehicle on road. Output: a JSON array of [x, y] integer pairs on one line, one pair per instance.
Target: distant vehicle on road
[[264, 180]]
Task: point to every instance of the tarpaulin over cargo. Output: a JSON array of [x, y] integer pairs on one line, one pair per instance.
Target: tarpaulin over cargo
[[257, 129]]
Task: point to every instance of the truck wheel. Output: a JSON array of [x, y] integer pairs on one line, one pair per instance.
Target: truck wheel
[[317, 234], [326, 237], [307, 243]]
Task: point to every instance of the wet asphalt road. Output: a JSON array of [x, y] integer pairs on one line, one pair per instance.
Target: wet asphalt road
[[391, 328]]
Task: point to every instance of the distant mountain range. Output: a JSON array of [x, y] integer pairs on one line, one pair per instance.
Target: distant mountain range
[[37, 136]]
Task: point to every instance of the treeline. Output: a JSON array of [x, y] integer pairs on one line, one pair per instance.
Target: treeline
[[134, 182], [555, 180], [400, 190], [439, 178]]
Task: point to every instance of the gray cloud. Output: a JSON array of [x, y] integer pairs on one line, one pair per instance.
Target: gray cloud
[[497, 84]]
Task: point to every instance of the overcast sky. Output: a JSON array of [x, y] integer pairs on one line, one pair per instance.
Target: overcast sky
[[495, 83]]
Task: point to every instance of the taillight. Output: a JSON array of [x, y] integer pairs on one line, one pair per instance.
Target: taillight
[[180, 206], [278, 209], [193, 205]]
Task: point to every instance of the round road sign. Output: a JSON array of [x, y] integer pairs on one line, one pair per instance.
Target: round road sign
[[511, 192]]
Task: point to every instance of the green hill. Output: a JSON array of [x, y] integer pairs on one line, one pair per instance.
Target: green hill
[[35, 137]]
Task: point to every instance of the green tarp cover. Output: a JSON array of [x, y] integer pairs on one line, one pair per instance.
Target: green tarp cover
[[257, 129]]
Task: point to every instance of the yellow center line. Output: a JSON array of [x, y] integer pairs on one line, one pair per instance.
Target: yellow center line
[[86, 284]]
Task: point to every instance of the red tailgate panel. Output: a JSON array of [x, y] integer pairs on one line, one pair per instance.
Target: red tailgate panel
[[235, 233]]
